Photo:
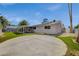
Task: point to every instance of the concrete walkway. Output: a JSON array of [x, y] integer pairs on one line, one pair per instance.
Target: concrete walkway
[[69, 34], [36, 45]]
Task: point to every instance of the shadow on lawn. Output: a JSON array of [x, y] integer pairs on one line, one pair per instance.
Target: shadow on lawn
[[10, 35]]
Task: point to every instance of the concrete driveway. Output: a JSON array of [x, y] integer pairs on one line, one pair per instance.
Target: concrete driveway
[[36, 45]]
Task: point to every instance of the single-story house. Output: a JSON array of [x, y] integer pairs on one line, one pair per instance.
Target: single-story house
[[11, 28], [45, 28]]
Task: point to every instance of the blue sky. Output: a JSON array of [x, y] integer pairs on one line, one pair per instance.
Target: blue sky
[[35, 13]]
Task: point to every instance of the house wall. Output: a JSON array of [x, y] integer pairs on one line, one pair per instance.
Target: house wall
[[55, 29]]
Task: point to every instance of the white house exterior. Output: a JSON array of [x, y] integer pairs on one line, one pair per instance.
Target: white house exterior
[[46, 28], [50, 28]]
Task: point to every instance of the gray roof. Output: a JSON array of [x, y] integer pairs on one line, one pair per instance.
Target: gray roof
[[11, 26], [48, 23]]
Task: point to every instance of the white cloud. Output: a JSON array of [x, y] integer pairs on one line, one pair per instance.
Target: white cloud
[[54, 7]]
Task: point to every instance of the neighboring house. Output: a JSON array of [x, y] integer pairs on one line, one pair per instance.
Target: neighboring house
[[11, 28], [46, 28]]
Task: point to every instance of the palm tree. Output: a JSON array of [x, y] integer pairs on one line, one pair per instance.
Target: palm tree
[[23, 22], [4, 22], [70, 15]]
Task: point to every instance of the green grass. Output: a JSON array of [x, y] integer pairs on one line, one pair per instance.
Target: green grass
[[0, 26], [73, 48], [10, 35]]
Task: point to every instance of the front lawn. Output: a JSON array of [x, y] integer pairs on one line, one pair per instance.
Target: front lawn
[[73, 48], [0, 26], [10, 35]]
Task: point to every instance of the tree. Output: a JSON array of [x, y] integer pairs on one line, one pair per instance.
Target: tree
[[54, 20], [4, 22], [76, 27], [23, 22], [70, 15], [45, 20]]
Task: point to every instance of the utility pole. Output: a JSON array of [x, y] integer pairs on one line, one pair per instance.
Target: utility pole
[[70, 15]]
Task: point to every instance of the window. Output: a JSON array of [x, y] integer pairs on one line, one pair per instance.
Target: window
[[47, 27], [34, 27]]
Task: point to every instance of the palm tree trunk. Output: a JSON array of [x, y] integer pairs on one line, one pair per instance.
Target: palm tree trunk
[[70, 15]]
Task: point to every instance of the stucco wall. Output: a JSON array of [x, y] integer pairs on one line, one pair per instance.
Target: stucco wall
[[55, 29]]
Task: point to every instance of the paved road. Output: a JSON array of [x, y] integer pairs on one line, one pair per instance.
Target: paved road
[[36, 45]]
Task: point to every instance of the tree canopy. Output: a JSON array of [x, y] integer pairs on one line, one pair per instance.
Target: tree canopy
[[54, 20], [76, 27], [4, 21], [23, 22]]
